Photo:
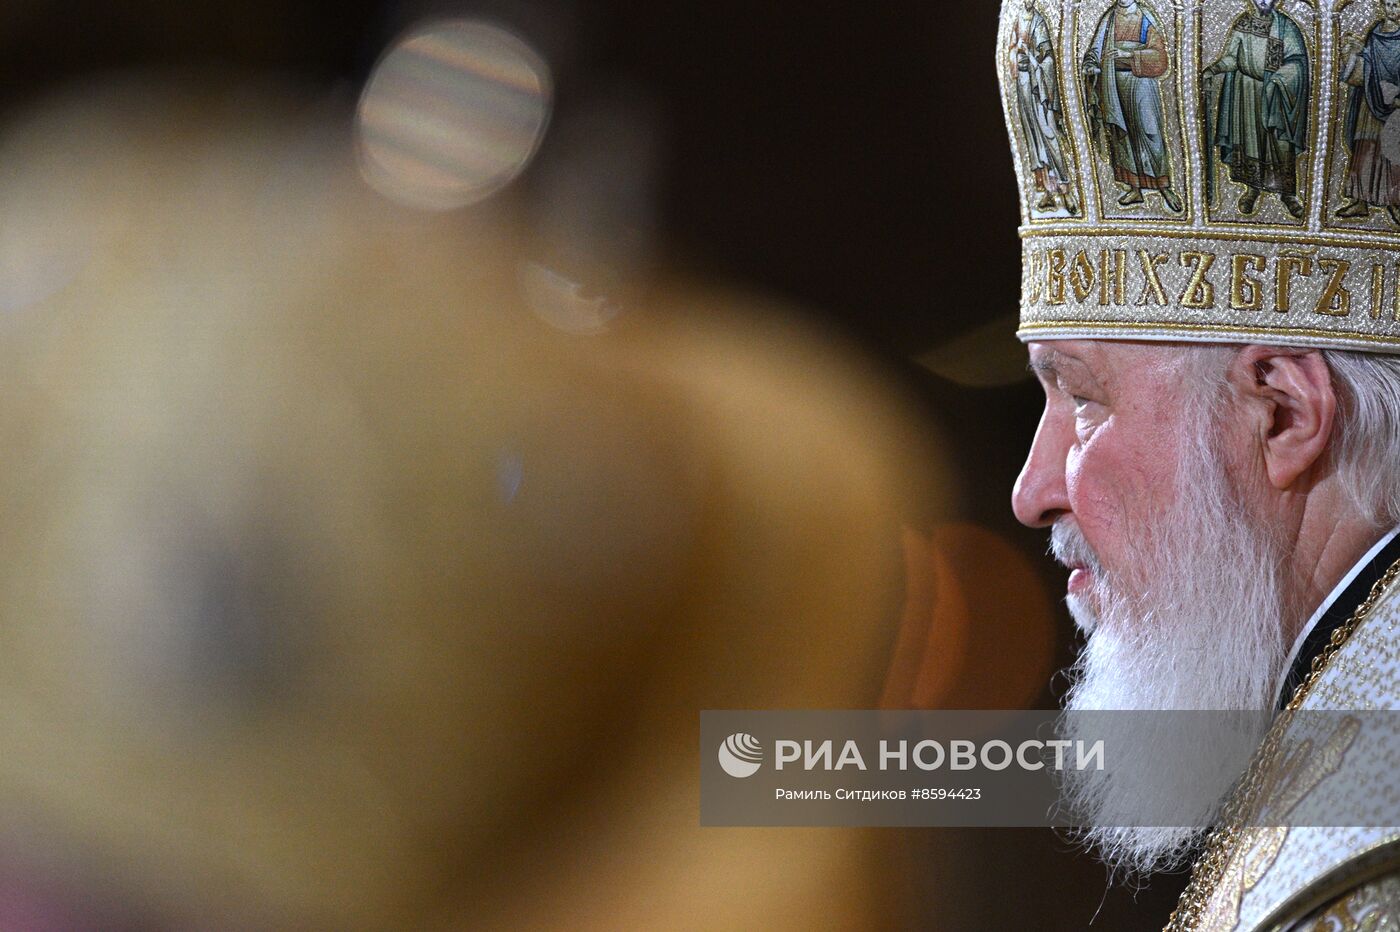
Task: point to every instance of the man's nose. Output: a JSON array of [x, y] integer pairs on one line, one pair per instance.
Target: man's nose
[[1040, 496]]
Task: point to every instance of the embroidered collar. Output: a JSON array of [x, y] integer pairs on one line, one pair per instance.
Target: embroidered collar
[[1339, 605]]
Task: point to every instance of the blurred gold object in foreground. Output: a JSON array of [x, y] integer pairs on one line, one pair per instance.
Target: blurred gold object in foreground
[[339, 591]]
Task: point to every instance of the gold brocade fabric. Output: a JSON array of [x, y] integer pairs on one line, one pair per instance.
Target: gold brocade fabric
[[1370, 907], [1258, 875]]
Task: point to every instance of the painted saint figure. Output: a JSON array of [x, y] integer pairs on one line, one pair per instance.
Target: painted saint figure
[[1042, 114], [1260, 123], [1122, 68], [1371, 68]]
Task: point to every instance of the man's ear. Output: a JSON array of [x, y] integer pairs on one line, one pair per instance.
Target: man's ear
[[1292, 389]]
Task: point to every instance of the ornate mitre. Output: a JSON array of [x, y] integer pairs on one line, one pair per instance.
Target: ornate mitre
[[1221, 171]]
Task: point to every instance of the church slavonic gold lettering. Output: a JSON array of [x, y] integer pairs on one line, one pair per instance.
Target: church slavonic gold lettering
[[1113, 277], [1151, 283], [1032, 275], [1377, 290], [1289, 263], [1200, 290], [1336, 297], [1246, 293], [1081, 276], [1055, 277]]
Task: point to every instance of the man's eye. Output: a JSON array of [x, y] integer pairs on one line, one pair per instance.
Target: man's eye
[[1080, 402]]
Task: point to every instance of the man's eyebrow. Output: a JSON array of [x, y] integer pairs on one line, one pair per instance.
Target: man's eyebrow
[[1054, 365], [1049, 363]]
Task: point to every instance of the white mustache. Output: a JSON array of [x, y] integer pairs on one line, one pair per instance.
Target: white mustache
[[1069, 547]]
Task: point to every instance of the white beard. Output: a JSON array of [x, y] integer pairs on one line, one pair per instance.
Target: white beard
[[1195, 624]]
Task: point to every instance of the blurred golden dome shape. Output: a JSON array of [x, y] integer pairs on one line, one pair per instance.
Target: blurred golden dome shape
[[329, 569], [810, 463]]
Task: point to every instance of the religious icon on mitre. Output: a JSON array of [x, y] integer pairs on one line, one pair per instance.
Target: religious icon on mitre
[[1040, 107], [1369, 71], [1256, 101], [1122, 71]]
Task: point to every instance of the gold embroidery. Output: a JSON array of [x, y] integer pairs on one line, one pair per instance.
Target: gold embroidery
[[1081, 276], [1055, 278], [1379, 242], [1288, 263], [1236, 333], [1211, 869], [1371, 907], [1119, 277], [1246, 294], [1336, 299], [1325, 283], [1151, 282], [1200, 292], [1032, 277]]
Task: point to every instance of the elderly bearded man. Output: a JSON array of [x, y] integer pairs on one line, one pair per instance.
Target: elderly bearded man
[[1216, 466]]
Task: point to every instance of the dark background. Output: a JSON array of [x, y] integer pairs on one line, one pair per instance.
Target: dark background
[[847, 157]]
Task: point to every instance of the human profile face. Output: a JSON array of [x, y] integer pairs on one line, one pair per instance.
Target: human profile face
[[1105, 456]]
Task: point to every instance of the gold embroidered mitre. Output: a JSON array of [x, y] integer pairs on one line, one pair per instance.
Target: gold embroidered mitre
[[1220, 171]]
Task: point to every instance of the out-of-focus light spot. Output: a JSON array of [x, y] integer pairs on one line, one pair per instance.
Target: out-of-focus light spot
[[986, 357], [594, 210], [510, 473], [452, 113], [560, 302], [970, 594]]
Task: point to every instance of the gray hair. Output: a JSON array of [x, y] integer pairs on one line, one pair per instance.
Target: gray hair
[[1365, 442], [1366, 435]]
